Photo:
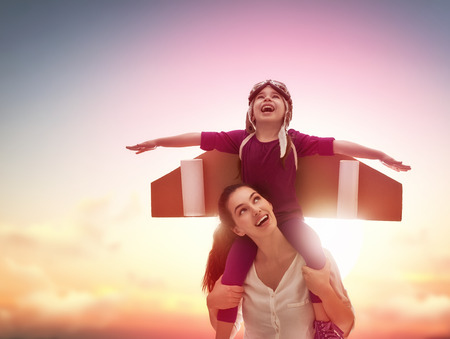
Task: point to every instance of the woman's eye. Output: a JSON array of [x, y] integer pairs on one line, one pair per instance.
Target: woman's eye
[[256, 199], [242, 211]]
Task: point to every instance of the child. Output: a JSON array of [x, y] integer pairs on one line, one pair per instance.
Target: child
[[268, 153]]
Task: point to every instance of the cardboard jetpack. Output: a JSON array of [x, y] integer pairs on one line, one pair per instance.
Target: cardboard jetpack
[[377, 196]]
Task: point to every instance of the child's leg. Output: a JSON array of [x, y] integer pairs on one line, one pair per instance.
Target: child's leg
[[306, 241], [239, 260]]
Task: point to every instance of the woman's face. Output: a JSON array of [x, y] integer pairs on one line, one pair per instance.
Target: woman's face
[[252, 214], [269, 106]]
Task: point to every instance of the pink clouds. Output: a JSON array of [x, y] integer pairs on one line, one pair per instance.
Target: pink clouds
[[79, 252], [32, 303]]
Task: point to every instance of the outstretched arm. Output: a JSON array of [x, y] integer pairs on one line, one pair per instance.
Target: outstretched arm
[[352, 149], [182, 140]]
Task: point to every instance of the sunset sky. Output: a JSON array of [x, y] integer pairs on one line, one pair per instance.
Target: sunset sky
[[80, 255]]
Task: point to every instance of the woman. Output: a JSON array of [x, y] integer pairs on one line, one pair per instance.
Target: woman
[[275, 293]]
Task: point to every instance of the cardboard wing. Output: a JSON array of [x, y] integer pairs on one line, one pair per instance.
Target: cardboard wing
[[379, 196]]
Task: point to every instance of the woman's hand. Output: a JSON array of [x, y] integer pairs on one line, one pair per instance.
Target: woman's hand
[[317, 281], [143, 147], [224, 296], [337, 308]]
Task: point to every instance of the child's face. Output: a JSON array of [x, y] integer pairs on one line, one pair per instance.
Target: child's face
[[268, 106]]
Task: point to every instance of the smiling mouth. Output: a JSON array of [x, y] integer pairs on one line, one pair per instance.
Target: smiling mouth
[[267, 108], [262, 220]]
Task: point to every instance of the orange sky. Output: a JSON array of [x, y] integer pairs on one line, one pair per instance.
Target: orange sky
[[80, 256]]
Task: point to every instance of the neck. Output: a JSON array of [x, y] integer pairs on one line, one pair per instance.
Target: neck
[[267, 132], [273, 247]]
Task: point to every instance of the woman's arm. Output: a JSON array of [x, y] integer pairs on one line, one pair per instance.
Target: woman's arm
[[223, 297], [339, 311], [182, 140], [352, 149]]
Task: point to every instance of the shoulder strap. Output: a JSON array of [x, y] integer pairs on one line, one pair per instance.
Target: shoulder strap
[[244, 142], [295, 155]]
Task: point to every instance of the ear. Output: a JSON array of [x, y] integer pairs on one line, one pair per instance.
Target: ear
[[238, 231]]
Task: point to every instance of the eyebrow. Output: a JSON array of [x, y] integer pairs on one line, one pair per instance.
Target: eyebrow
[[249, 198]]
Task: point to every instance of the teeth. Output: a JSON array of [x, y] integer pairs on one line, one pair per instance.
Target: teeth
[[267, 108], [264, 218]]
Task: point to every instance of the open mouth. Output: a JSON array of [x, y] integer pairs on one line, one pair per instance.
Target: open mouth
[[267, 108], [262, 220]]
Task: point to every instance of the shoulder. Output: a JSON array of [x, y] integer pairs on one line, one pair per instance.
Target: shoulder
[[241, 133], [234, 134], [293, 132], [299, 261], [297, 135], [222, 141], [336, 279], [333, 265]]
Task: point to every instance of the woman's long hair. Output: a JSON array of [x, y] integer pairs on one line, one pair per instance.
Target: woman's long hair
[[223, 238]]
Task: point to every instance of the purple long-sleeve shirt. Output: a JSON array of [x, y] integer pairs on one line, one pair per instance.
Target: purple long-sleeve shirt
[[262, 168]]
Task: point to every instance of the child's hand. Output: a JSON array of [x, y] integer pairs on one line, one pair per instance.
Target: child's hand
[[143, 147], [224, 296], [394, 164], [317, 281]]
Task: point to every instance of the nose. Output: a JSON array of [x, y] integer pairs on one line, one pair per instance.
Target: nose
[[256, 210]]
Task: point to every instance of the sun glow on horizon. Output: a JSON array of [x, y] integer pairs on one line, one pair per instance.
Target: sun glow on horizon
[[343, 238], [81, 256]]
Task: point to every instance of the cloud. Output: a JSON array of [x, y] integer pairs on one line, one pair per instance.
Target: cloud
[[88, 271], [31, 302], [93, 224], [429, 307], [74, 309], [400, 310], [18, 279], [52, 273], [146, 283]]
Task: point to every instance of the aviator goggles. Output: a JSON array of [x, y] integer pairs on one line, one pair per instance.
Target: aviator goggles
[[276, 85]]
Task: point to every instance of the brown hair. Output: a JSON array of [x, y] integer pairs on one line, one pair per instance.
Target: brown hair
[[223, 238]]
